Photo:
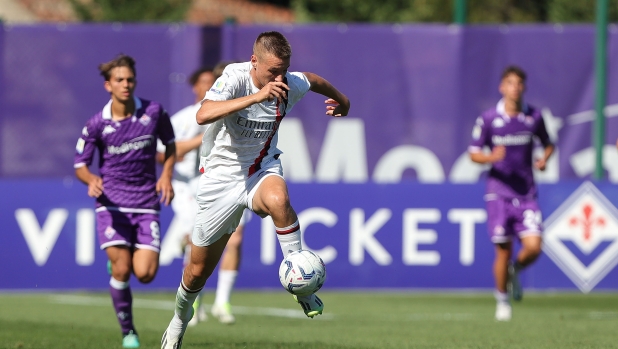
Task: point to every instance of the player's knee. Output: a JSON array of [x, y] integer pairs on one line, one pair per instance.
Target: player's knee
[[278, 202], [533, 246], [146, 278], [534, 250], [197, 271], [121, 271]]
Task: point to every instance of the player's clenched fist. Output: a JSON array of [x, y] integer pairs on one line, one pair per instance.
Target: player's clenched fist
[[272, 90], [95, 187]]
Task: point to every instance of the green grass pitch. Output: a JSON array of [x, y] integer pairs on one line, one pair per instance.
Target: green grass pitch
[[271, 320]]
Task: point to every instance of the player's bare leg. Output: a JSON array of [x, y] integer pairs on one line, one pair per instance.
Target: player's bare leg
[[145, 265], [501, 264], [203, 261], [530, 251], [271, 198], [228, 270], [121, 258]]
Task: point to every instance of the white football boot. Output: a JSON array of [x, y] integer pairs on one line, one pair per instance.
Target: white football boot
[[503, 311], [172, 337], [223, 312]]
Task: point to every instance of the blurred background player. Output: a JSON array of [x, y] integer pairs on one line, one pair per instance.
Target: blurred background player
[[186, 175], [188, 135], [127, 193], [509, 131], [241, 165]]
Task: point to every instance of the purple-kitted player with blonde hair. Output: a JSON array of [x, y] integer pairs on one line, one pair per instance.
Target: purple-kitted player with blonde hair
[[128, 194], [510, 130]]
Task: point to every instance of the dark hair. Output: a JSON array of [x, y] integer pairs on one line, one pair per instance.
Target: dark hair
[[121, 60], [513, 69], [196, 74], [273, 42], [218, 69]]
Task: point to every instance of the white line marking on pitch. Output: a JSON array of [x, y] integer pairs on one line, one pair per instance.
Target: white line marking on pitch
[[441, 317], [169, 305]]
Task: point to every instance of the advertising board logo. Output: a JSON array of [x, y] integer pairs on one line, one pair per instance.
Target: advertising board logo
[[581, 237]]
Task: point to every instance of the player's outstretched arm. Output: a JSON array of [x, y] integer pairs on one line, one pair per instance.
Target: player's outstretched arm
[[183, 147], [94, 182], [211, 111], [164, 184], [339, 104]]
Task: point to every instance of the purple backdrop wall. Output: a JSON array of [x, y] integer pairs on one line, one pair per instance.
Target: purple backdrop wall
[[415, 91], [400, 157]]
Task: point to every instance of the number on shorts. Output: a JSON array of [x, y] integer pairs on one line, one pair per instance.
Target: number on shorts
[[532, 219], [154, 230]]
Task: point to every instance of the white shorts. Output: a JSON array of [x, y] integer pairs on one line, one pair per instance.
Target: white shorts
[[184, 205], [221, 204]]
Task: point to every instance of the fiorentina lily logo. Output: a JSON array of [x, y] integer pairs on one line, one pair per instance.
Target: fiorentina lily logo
[[581, 237]]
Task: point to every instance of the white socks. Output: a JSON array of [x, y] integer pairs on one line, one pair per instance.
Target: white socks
[[118, 285], [184, 301], [225, 285], [501, 297], [289, 238]]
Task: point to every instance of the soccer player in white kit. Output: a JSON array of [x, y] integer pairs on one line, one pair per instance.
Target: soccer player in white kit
[[241, 167], [188, 139]]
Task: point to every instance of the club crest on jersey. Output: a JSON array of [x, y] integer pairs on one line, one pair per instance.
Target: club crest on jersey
[[108, 129], [144, 120], [497, 123], [581, 237], [529, 120]]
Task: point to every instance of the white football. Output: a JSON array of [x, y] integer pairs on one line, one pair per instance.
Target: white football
[[302, 273]]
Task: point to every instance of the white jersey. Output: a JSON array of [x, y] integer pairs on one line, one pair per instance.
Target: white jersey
[[186, 127], [238, 145]]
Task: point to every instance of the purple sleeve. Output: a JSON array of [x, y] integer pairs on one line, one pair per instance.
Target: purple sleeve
[[86, 144], [480, 135], [541, 132], [165, 131]]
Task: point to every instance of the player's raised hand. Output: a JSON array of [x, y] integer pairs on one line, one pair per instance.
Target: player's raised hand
[[335, 109], [272, 90], [165, 190], [95, 187]]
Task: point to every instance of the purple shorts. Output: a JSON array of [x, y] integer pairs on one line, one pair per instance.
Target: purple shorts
[[136, 230], [512, 217]]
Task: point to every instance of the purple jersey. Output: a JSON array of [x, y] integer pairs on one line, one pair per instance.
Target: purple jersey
[[512, 177], [127, 151]]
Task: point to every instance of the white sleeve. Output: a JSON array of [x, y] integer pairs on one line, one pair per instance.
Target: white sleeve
[[225, 88], [299, 84]]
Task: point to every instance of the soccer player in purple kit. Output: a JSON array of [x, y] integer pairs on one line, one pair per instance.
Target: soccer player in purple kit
[[128, 194], [241, 167], [509, 130]]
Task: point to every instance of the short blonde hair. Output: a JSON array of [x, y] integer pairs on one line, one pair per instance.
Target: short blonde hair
[[274, 43]]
